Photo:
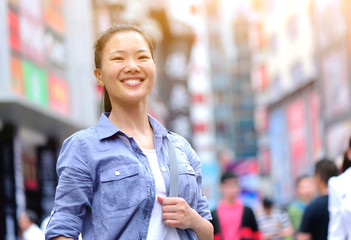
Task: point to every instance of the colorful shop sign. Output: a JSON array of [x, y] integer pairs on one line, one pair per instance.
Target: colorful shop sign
[[36, 85], [296, 121], [17, 75], [15, 42], [32, 31], [53, 15], [59, 94]]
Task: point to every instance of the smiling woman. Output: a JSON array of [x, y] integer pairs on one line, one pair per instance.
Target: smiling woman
[[127, 71], [114, 178], [100, 46]]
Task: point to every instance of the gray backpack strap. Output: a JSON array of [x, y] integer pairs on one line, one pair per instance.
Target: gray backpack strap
[[173, 163]]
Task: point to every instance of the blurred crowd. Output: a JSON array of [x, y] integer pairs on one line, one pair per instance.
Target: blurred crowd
[[321, 209]]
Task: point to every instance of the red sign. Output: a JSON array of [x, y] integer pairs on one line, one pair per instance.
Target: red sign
[[30, 172], [15, 42], [260, 78], [32, 39], [314, 106], [32, 30], [58, 94], [297, 136]]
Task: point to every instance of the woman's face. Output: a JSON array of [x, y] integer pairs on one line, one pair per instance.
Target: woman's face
[[127, 68]]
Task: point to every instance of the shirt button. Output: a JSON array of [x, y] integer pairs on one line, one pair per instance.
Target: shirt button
[[189, 167], [163, 169], [117, 173]]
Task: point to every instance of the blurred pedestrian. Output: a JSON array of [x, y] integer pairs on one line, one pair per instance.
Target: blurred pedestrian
[[27, 222], [340, 201], [314, 224], [305, 192], [273, 223], [231, 219], [114, 178]]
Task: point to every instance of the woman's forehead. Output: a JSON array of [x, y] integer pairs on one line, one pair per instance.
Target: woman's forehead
[[126, 40]]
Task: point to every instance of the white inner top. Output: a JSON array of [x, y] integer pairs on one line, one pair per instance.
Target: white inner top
[[157, 229]]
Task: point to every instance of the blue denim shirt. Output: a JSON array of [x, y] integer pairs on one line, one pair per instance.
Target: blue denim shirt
[[106, 188]]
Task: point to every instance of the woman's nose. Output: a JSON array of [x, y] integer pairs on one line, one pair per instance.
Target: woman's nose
[[132, 66]]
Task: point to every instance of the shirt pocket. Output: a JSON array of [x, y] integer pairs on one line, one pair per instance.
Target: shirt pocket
[[120, 187], [187, 183]]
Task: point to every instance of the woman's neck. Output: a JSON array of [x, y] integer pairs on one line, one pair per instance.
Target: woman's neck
[[130, 118], [133, 121]]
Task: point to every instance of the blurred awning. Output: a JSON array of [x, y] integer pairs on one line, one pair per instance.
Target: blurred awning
[[21, 112]]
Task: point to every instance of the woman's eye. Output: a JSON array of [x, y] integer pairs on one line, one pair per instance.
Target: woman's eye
[[144, 57]]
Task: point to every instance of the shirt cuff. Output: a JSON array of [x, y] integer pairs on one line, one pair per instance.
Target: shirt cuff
[[63, 224]]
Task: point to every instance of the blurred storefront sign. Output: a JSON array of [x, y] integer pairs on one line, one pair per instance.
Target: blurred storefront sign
[[314, 106], [32, 30], [53, 17], [333, 37], [17, 76], [281, 171], [336, 84], [54, 49], [36, 84], [15, 42], [58, 94], [38, 57], [296, 119]]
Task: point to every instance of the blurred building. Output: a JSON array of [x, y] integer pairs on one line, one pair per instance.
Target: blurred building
[[47, 91], [229, 24], [301, 79], [332, 39], [231, 80], [199, 81], [287, 101]]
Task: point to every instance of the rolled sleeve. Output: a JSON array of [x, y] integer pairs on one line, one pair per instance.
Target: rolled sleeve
[[58, 226], [74, 192]]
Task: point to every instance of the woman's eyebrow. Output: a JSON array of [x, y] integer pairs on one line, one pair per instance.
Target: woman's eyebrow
[[142, 50]]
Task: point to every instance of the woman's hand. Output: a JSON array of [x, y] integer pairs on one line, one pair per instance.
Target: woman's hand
[[177, 213]]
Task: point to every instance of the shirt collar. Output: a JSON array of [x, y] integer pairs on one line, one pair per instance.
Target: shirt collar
[[105, 128]]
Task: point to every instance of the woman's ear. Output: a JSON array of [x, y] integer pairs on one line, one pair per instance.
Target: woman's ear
[[97, 74]]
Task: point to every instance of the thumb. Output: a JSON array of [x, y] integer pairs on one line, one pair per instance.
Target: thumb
[[160, 199]]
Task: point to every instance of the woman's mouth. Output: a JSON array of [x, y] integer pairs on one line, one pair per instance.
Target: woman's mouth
[[132, 81]]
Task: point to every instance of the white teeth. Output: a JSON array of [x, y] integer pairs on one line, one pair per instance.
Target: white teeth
[[132, 81]]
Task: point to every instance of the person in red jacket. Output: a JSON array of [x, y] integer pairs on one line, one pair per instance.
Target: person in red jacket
[[232, 220]]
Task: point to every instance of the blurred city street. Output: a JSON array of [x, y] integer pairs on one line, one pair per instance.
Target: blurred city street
[[260, 87]]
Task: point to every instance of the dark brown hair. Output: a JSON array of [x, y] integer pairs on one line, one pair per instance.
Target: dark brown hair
[[103, 39], [326, 169], [346, 163], [228, 175]]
